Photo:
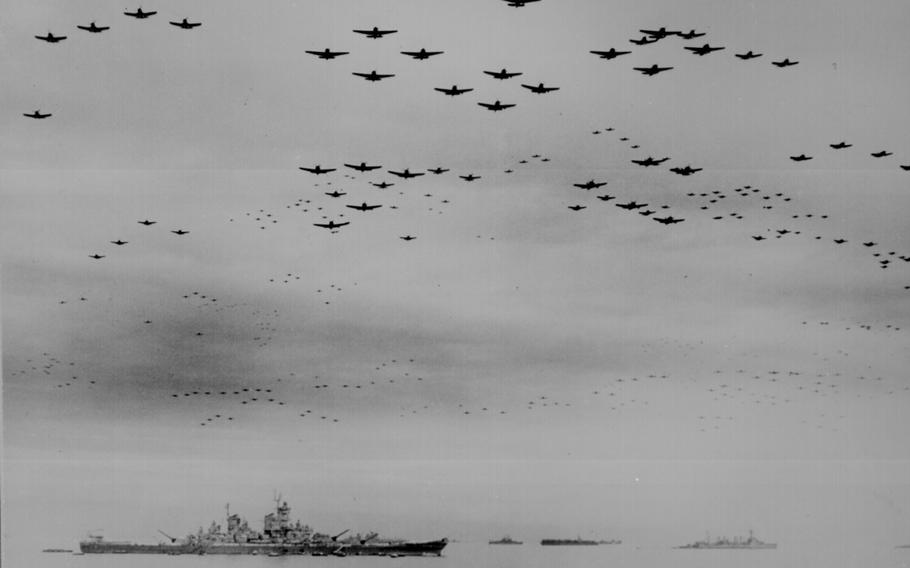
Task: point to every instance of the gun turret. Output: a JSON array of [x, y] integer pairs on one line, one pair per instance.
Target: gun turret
[[368, 538], [339, 535], [173, 540]]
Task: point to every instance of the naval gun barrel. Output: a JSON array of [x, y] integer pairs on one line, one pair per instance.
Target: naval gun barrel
[[173, 540], [339, 535]]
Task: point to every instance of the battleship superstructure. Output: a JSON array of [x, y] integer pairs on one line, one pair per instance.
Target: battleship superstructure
[[279, 536], [750, 543]]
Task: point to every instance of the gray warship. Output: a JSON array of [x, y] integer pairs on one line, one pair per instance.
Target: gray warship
[[723, 543], [279, 537]]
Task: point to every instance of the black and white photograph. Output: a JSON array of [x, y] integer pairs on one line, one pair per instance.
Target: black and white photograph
[[457, 284]]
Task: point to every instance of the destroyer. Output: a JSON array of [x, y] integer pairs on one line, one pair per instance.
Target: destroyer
[[750, 543], [578, 541], [279, 537], [506, 540]]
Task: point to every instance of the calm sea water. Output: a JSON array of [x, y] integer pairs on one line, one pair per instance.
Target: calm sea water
[[529, 555]]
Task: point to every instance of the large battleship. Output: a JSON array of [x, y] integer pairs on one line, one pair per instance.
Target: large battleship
[[279, 537], [723, 543]]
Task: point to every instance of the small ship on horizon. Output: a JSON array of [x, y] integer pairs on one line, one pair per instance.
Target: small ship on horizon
[[724, 543], [279, 537], [577, 541], [506, 540]]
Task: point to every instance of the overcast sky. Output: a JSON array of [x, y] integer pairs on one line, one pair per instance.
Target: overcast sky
[[658, 359]]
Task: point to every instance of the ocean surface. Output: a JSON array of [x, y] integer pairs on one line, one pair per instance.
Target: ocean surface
[[529, 555]]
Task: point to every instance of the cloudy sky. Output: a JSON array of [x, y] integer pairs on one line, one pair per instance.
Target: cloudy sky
[[517, 357]]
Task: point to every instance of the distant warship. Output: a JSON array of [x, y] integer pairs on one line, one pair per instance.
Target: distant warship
[[750, 543], [506, 540], [578, 541], [278, 537]]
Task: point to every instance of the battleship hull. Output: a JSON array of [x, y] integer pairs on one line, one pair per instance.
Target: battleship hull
[[429, 548]]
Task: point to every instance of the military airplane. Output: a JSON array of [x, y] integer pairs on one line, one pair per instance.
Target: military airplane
[[606, 197], [519, 3], [540, 89], [363, 167], [659, 34], [37, 114], [186, 25], [317, 170], [631, 205], [93, 28], [840, 241], [383, 184], [407, 238], [453, 91], [470, 177], [784, 63], [589, 185], [502, 75], [577, 207], [668, 220], [800, 158], [373, 75], [881, 154], [905, 168], [840, 145], [331, 224], [335, 193], [119, 242], [691, 34], [96, 256], [652, 70], [610, 54], [375, 33], [496, 106], [139, 14], [422, 54], [649, 161], [406, 174], [686, 171], [180, 232], [748, 55], [147, 223], [703, 50], [644, 40], [364, 207], [438, 171], [51, 38], [328, 54]]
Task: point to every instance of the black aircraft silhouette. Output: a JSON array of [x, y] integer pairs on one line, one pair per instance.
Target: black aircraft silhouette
[[668, 220], [383, 184], [645, 40], [577, 207], [869, 244], [649, 161], [438, 171], [37, 114], [469, 177], [540, 89], [317, 170], [407, 238], [180, 232], [758, 237], [328, 54], [748, 55], [406, 174], [519, 3], [331, 225], [840, 241], [691, 34], [496, 106], [96, 256], [631, 205], [453, 91], [881, 154], [93, 28], [139, 14], [659, 34], [364, 207], [784, 63], [840, 145], [119, 243], [147, 222], [800, 158], [363, 167], [422, 54], [502, 75], [375, 33], [652, 70], [703, 50], [606, 197], [51, 38], [335, 193], [905, 168], [186, 25], [610, 54], [686, 171], [373, 75], [589, 185]]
